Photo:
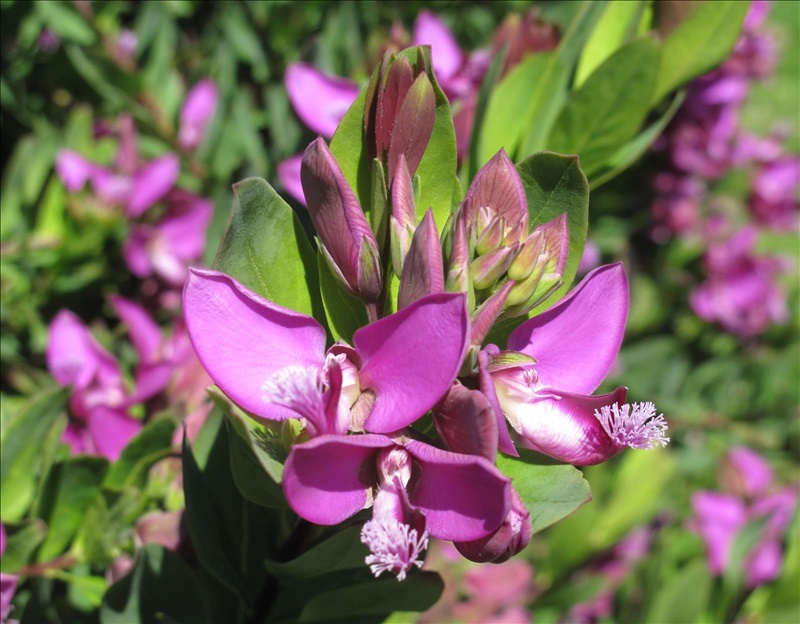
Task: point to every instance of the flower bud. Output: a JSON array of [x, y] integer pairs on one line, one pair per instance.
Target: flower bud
[[510, 538], [348, 242], [490, 267], [466, 422], [423, 273]]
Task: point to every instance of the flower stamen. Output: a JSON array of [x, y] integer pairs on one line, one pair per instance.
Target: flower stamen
[[635, 425], [395, 546]]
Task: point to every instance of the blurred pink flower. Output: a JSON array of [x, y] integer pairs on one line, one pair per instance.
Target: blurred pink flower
[[196, 113]]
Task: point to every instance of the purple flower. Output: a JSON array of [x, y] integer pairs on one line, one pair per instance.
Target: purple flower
[[196, 113], [399, 366], [8, 583], [135, 186], [740, 292], [558, 358], [332, 477], [775, 189], [167, 247]]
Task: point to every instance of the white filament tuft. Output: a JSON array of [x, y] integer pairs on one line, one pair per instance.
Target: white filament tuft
[[395, 546], [298, 388], [636, 425]]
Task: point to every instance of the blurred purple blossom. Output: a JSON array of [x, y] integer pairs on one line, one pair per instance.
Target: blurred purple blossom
[[196, 113], [8, 583]]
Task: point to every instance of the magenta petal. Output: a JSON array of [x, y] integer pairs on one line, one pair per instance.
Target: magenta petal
[[242, 339], [464, 497], [145, 333], [73, 356], [504, 442], [151, 378], [183, 227], [73, 169], [111, 430], [466, 422], [134, 250], [564, 426], [577, 340], [446, 55], [152, 182], [411, 357], [289, 175], [718, 518], [326, 479], [196, 113], [319, 100]]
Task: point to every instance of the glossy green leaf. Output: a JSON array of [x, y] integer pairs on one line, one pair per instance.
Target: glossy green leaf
[[436, 170], [228, 533], [342, 551], [70, 486], [161, 588], [619, 18], [266, 249], [610, 107], [488, 84], [257, 454], [554, 185], [699, 43], [23, 448], [634, 149], [153, 443], [418, 592], [549, 491], [345, 313]]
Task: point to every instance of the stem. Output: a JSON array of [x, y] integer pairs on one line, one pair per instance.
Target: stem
[[40, 569], [372, 311]]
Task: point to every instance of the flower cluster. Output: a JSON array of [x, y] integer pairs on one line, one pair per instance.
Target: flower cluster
[[749, 496], [363, 406], [321, 100], [704, 143]]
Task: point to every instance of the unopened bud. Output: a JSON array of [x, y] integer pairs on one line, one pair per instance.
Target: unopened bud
[[510, 538], [490, 267]]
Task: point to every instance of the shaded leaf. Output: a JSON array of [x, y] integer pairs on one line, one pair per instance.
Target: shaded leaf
[[153, 443]]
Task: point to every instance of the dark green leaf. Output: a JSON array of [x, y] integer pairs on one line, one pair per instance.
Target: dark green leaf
[[418, 592], [608, 110], [161, 588], [341, 552], [23, 449], [153, 443], [550, 492], [69, 488], [21, 542], [699, 43], [266, 249]]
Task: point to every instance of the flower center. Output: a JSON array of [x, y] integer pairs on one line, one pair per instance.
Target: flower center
[[395, 546], [298, 388], [636, 425]]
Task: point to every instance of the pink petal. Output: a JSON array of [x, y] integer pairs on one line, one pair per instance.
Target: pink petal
[[73, 169], [73, 356], [196, 113], [411, 358], [746, 472], [565, 427], [183, 227], [325, 479], [318, 99], [151, 378], [719, 517], [152, 182], [446, 54], [577, 340], [111, 430], [504, 442], [464, 497], [289, 175], [242, 339], [135, 252], [144, 332], [466, 422]]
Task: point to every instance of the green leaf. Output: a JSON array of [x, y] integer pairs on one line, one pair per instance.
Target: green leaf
[[551, 90], [161, 588], [67, 23], [636, 147], [683, 598], [554, 185], [21, 542], [345, 313], [341, 552], [257, 454], [437, 170], [70, 486], [23, 448], [550, 492], [608, 35], [699, 43], [229, 534], [153, 443], [418, 592], [266, 249], [610, 107]]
